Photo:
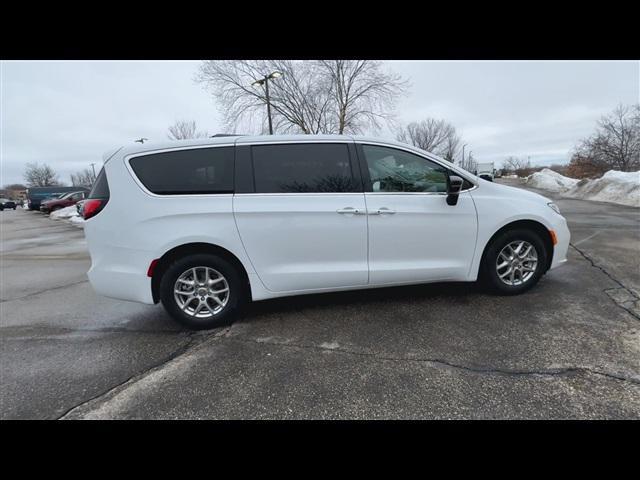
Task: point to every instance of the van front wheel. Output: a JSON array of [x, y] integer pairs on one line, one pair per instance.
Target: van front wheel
[[201, 291], [514, 262]]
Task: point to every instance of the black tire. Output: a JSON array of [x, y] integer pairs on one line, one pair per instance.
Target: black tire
[[489, 273], [237, 291]]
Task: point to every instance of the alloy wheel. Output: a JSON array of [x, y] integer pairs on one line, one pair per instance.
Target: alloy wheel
[[517, 263], [201, 292]]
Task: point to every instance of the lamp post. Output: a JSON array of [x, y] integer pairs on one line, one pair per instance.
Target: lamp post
[[265, 81], [463, 154]]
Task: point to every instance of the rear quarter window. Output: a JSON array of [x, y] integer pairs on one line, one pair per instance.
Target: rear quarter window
[[101, 186], [180, 172]]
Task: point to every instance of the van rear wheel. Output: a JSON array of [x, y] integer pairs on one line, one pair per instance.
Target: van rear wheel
[[514, 262], [201, 291]]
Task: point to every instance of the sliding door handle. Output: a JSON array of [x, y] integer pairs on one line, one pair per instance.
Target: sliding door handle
[[351, 210], [382, 211]]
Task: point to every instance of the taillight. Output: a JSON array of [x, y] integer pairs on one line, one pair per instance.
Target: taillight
[[92, 207]]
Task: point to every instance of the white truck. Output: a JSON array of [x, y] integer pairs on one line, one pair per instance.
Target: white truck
[[486, 171]]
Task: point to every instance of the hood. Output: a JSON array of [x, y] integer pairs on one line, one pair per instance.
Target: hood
[[507, 191]]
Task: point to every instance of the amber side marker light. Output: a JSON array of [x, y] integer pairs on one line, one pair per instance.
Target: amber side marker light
[[554, 237]]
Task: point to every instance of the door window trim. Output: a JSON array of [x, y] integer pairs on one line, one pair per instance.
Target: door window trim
[[366, 178]]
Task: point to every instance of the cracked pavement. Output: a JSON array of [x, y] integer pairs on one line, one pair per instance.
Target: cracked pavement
[[570, 348]]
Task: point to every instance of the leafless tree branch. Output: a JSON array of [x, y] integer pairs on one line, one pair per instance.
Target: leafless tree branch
[[40, 175], [337, 96], [184, 130]]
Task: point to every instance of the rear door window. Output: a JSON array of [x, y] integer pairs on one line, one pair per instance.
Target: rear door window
[[303, 168], [180, 172]]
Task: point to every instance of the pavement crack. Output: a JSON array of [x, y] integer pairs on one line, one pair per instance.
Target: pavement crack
[[439, 362], [38, 331], [193, 339], [44, 291], [629, 297]]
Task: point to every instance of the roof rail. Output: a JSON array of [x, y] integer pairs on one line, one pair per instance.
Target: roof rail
[[227, 135]]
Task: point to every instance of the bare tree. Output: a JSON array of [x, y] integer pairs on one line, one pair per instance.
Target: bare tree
[[184, 130], [469, 163], [363, 93], [83, 178], [452, 147], [516, 165], [310, 97], [436, 136], [614, 145], [510, 165], [15, 186], [40, 175]]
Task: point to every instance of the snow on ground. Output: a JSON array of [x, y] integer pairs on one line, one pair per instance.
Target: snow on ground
[[77, 220], [614, 186], [547, 179], [65, 212], [69, 214]]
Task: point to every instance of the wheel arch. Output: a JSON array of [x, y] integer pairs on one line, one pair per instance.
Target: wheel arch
[[533, 225], [193, 248]]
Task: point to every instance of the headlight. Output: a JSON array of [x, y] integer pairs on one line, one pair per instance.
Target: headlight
[[554, 207]]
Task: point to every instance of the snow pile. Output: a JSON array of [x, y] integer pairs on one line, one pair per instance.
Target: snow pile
[[69, 214], [614, 186], [65, 212], [547, 179]]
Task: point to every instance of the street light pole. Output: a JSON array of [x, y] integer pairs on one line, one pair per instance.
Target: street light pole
[[94, 170], [463, 153], [266, 88], [265, 81]]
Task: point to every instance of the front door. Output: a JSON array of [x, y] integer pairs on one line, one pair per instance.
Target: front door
[[414, 236]]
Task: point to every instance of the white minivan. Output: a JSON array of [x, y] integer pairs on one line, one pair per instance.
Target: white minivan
[[206, 225]]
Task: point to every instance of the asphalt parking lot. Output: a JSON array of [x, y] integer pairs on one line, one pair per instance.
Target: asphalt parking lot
[[569, 348]]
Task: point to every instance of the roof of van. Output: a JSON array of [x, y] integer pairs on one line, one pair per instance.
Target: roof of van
[[244, 139], [241, 139]]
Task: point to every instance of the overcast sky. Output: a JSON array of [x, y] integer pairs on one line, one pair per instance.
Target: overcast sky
[[69, 113]]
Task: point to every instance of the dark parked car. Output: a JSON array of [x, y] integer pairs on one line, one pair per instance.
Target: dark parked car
[[66, 200], [6, 203], [38, 195]]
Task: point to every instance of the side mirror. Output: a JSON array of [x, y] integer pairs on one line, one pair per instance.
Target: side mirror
[[454, 185]]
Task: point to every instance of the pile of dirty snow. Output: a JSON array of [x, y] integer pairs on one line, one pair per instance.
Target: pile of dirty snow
[[614, 186], [77, 220], [69, 214], [547, 179]]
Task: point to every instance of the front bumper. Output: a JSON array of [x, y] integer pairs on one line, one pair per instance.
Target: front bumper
[[561, 248]]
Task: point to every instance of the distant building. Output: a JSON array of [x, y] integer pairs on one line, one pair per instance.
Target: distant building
[[14, 194], [20, 195]]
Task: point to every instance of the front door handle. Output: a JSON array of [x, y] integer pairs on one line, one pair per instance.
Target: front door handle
[[351, 210], [382, 211]]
